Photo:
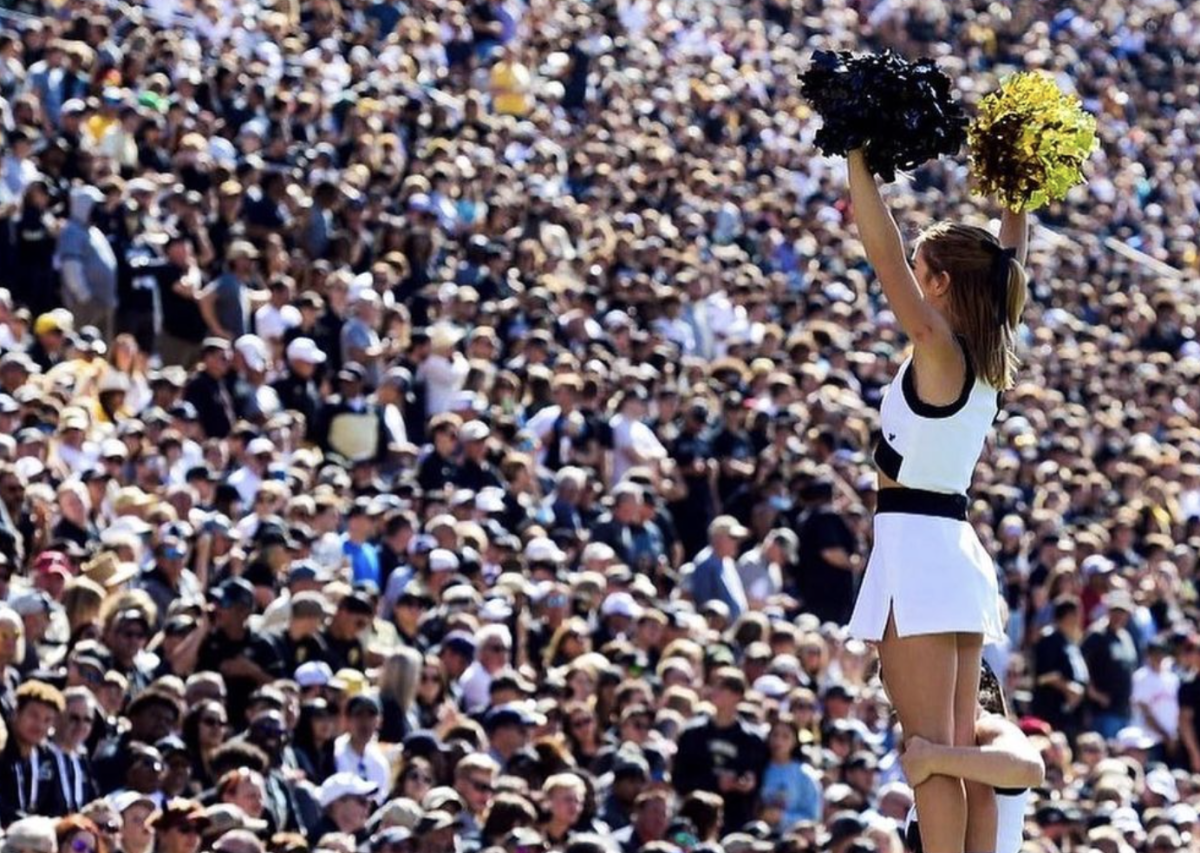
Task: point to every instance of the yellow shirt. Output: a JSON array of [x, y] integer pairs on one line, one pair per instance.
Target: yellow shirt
[[97, 125], [510, 81]]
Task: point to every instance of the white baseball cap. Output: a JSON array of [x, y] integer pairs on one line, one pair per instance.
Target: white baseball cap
[[474, 431], [490, 499], [314, 673], [441, 560], [253, 350], [344, 785], [306, 350], [771, 686], [620, 604], [260, 446], [543, 550]]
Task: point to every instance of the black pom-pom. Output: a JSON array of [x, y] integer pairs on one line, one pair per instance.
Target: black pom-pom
[[900, 113]]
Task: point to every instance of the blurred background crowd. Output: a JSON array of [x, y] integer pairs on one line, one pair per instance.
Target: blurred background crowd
[[433, 426]]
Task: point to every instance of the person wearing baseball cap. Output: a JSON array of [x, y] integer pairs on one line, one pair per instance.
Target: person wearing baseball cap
[[227, 647], [286, 649], [346, 803], [354, 614], [1112, 658], [713, 575], [207, 391], [725, 754], [177, 825], [352, 424], [298, 387]]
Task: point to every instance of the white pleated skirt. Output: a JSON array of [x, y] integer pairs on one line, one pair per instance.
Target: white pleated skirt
[[935, 577]]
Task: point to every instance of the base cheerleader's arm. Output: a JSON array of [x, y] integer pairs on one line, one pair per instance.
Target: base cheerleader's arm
[[885, 250], [1003, 757]]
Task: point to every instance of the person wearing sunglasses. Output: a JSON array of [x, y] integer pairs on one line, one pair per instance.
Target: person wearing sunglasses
[[78, 834], [126, 634], [475, 781], [177, 826], [152, 715], [108, 823], [415, 779], [69, 748]]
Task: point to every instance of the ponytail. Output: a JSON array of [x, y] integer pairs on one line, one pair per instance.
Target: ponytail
[[988, 288]]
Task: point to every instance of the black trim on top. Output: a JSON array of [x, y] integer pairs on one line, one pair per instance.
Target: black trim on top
[[1010, 792], [888, 460], [922, 502], [928, 410]]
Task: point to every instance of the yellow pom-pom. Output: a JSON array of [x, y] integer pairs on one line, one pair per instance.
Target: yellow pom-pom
[[1029, 142]]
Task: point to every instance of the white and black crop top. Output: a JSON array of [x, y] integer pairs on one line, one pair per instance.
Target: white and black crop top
[[934, 448]]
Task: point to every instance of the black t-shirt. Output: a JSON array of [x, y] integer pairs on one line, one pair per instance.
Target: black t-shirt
[[474, 476], [342, 654], [827, 591], [280, 655], [705, 748], [217, 648], [1053, 653], [1189, 698], [180, 314], [213, 403], [687, 449], [142, 274], [436, 472], [1111, 659], [736, 445]]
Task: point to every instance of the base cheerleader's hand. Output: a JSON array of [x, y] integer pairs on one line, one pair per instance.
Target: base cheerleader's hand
[[917, 760]]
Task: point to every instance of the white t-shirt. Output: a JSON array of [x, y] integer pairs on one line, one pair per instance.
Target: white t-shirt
[[1160, 691], [247, 484], [476, 686], [372, 765], [541, 426], [632, 437], [272, 323], [443, 378]]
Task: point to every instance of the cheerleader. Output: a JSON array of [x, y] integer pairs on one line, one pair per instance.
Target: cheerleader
[[929, 597], [1003, 757]]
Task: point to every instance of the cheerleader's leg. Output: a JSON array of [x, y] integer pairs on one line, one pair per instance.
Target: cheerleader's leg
[[981, 799], [920, 672]]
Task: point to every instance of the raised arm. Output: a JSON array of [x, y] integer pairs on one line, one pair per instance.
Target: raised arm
[[885, 250], [1014, 233]]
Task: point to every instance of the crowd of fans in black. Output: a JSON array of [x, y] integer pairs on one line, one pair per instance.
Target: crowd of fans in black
[[433, 426]]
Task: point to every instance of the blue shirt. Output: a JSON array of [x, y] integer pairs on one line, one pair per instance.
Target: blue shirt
[[793, 789], [364, 560]]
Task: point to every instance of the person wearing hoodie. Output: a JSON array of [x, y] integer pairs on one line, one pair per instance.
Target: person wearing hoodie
[[88, 265]]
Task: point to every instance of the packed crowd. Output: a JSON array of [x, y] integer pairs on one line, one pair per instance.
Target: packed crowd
[[433, 426]]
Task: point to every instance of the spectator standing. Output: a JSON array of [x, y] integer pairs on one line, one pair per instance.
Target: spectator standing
[[724, 754], [1155, 697], [87, 264], [1060, 672], [29, 776], [713, 576], [829, 562], [1111, 658]]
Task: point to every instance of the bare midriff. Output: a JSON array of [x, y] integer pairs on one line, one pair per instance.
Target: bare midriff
[[886, 482]]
